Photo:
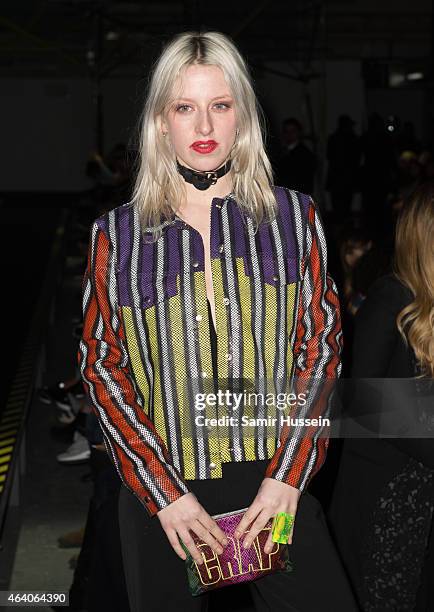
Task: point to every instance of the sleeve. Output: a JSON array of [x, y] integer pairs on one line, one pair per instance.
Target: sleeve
[[317, 354], [372, 350], [372, 354], [132, 442]]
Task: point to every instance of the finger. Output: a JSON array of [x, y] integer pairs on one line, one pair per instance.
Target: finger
[[210, 524], [257, 526], [172, 536], [249, 516], [191, 546], [269, 544], [206, 536]]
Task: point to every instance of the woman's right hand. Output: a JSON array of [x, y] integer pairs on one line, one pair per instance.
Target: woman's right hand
[[187, 514]]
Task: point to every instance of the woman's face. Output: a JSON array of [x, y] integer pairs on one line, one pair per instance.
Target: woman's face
[[204, 113]]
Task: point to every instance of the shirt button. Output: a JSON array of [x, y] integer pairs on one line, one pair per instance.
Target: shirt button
[[147, 499], [226, 301], [195, 264], [275, 277], [212, 466], [221, 248], [228, 356], [198, 317], [147, 298], [203, 374]]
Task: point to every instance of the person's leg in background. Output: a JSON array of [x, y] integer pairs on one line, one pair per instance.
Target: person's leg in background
[[107, 587]]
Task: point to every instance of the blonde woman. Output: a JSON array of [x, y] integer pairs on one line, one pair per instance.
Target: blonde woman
[[383, 501], [209, 248]]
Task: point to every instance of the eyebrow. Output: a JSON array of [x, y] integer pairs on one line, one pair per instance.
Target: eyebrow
[[212, 99]]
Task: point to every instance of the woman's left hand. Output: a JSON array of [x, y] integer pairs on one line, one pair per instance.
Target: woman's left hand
[[273, 496]]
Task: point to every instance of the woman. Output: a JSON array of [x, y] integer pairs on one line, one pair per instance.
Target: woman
[[182, 265], [382, 504]]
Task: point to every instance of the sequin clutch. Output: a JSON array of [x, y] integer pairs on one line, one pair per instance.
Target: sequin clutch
[[236, 564]]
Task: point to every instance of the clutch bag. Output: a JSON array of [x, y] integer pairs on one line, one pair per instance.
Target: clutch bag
[[236, 564]]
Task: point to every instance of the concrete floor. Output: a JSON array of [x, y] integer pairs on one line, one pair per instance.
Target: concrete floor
[[53, 497]]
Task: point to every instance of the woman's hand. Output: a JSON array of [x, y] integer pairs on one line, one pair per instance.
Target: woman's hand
[[185, 514], [273, 496]]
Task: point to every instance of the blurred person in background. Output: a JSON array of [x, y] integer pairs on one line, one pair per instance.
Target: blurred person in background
[[343, 156], [377, 172], [382, 506], [296, 165]]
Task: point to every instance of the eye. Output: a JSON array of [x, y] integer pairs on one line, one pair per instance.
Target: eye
[[181, 107], [223, 104]]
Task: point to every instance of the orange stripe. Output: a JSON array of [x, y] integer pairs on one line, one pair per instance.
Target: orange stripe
[[100, 302]]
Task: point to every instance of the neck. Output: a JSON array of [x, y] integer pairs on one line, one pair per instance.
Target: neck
[[222, 187]]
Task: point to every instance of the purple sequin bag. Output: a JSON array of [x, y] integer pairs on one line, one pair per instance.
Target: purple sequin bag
[[236, 564]]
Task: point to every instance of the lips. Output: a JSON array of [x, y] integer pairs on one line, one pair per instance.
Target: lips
[[204, 146]]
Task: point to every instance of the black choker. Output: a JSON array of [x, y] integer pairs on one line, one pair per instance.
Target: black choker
[[203, 180]]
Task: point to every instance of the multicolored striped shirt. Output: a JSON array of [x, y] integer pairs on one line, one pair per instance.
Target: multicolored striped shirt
[[145, 351]]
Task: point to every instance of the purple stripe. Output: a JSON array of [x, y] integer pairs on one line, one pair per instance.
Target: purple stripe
[[284, 203]]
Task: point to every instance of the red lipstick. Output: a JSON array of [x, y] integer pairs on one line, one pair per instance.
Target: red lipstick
[[204, 146]]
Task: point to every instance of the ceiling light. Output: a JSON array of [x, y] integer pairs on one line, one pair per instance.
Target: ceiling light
[[414, 76]]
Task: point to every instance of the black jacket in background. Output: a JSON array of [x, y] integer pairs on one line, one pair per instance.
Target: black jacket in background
[[375, 471]]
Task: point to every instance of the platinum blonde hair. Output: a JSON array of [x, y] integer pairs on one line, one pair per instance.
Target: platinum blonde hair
[[159, 188]]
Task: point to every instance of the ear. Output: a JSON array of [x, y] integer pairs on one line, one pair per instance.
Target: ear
[[161, 124]]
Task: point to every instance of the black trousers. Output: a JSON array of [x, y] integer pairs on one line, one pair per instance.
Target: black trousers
[[157, 580]]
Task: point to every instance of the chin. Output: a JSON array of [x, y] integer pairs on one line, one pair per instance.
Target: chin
[[206, 162]]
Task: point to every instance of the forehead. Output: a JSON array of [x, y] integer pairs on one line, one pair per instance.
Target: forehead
[[201, 81]]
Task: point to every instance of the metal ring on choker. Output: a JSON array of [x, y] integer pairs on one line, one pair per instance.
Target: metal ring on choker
[[203, 179]]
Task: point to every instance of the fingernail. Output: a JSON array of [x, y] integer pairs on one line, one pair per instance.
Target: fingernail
[[246, 544], [219, 550]]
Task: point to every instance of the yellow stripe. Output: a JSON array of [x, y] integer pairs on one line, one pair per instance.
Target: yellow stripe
[[8, 411], [219, 443], [7, 449], [7, 441], [9, 422], [10, 432], [4, 468], [177, 347], [5, 418], [159, 410], [5, 459], [249, 367], [7, 426], [2, 478]]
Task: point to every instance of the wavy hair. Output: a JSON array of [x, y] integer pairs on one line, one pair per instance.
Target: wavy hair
[[414, 265], [159, 188]]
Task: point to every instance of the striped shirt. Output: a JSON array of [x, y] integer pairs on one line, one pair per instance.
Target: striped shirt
[[145, 351]]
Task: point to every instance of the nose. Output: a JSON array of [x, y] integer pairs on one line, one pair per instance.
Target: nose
[[204, 124]]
